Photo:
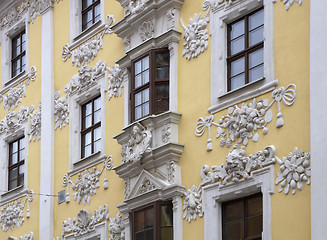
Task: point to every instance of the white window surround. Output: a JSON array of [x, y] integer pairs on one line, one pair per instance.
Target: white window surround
[[76, 34], [75, 102], [6, 45], [214, 194], [100, 232], [219, 19], [6, 139]]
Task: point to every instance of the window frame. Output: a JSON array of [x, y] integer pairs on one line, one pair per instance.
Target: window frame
[[16, 165], [157, 225], [88, 9], [20, 56], [245, 52], [151, 84]]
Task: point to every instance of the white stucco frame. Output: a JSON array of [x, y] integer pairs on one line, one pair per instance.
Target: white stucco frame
[[75, 101], [6, 45], [214, 194], [100, 232], [220, 18]]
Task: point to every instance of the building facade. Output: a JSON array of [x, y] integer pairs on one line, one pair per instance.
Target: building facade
[[162, 119]]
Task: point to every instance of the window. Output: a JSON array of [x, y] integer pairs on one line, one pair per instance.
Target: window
[[150, 84], [16, 163], [245, 50], [90, 13], [242, 218], [153, 222], [18, 58], [91, 127]]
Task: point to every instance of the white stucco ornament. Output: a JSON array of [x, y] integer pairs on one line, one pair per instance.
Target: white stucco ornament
[[116, 79], [213, 4], [11, 214], [289, 3], [117, 228], [136, 6], [35, 125], [82, 55], [61, 110], [138, 144], [294, 170], [28, 236], [243, 122], [193, 203], [85, 222], [87, 182], [146, 30], [196, 36]]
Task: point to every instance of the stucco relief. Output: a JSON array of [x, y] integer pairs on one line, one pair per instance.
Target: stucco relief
[[136, 6], [146, 30], [116, 79], [82, 55], [61, 110], [28, 236], [146, 186], [138, 144], [117, 228], [165, 133], [243, 122], [193, 204], [87, 182], [294, 170], [289, 3], [11, 214], [35, 124]]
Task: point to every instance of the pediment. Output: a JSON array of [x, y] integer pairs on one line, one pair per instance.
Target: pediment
[[146, 182]]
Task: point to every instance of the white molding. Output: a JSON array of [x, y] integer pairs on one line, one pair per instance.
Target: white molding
[[214, 194], [220, 17], [318, 117], [47, 128]]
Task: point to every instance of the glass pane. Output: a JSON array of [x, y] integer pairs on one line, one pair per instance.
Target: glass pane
[[15, 67], [237, 67], [13, 174], [138, 99], [253, 206], [139, 236], [162, 59], [88, 109], [233, 211], [145, 77], [87, 150], [14, 43], [237, 29], [253, 226], [145, 95], [13, 158], [87, 138], [233, 231], [256, 73], [138, 112], [21, 143], [88, 121], [256, 19], [97, 116], [167, 233], [145, 63], [97, 13], [97, 145], [256, 36], [237, 45], [21, 180], [149, 234], [139, 221], [146, 109], [256, 58], [138, 81], [162, 72], [23, 63], [237, 82], [137, 67], [23, 46], [97, 104], [14, 147], [24, 37], [12, 184], [21, 169], [166, 216], [149, 218], [86, 3], [21, 154], [162, 91], [97, 133], [17, 50]]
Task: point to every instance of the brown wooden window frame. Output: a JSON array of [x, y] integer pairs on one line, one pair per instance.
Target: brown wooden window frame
[[91, 128], [19, 57], [85, 10], [151, 85], [245, 52], [20, 176], [157, 218], [244, 202]]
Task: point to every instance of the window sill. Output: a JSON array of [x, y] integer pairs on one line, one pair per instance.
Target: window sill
[[243, 93], [15, 80], [13, 194], [87, 162]]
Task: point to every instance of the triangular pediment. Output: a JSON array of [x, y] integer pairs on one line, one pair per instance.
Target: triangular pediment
[[146, 182]]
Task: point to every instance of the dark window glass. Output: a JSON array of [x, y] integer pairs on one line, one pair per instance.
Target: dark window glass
[[242, 218], [150, 85], [18, 54], [245, 50], [153, 222], [91, 127], [90, 13], [16, 163]]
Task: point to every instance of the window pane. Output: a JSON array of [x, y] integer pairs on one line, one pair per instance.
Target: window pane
[[233, 211], [13, 173], [97, 104], [256, 19], [149, 234], [138, 80], [86, 3], [14, 158], [149, 218], [97, 116], [21, 154], [138, 99], [162, 72], [256, 58], [256, 73], [12, 184], [253, 206], [97, 145], [256, 36], [233, 231], [145, 95], [139, 221], [87, 150], [17, 50], [253, 226], [88, 109], [237, 67], [237, 29], [237, 45], [23, 46], [145, 77], [138, 112], [137, 67], [145, 63], [15, 68], [167, 233], [23, 63], [88, 121], [21, 180], [14, 146], [87, 138], [21, 143], [166, 216], [21, 169], [237, 82], [97, 13], [24, 38], [162, 59], [146, 109]]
